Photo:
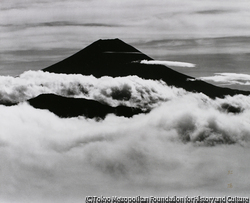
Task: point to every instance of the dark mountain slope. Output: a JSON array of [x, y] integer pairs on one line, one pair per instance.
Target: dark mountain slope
[[116, 58], [73, 107], [100, 58]]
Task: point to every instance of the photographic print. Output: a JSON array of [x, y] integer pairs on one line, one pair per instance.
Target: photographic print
[[126, 101]]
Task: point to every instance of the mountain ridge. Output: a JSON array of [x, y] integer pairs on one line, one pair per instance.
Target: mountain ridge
[[72, 107]]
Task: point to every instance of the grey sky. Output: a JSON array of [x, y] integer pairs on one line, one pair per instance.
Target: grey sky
[[70, 24]]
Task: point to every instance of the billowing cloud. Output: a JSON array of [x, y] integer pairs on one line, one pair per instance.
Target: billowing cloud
[[130, 91], [228, 78], [169, 63], [186, 145]]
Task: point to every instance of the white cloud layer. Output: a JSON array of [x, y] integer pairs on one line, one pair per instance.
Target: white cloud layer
[[185, 146], [169, 63], [130, 91], [229, 78]]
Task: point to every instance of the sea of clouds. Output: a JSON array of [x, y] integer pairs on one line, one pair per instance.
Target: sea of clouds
[[186, 145]]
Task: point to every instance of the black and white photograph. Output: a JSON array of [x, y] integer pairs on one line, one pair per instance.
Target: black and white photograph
[[124, 101]]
